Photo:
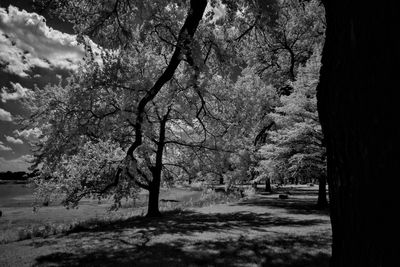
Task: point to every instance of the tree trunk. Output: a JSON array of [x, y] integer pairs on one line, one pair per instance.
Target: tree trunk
[[154, 193], [322, 202], [156, 171], [358, 112], [268, 185]]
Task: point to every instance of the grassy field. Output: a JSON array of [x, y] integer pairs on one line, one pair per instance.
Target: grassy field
[[261, 230], [19, 221]]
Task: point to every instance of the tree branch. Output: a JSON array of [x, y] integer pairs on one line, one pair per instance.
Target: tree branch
[[185, 37]]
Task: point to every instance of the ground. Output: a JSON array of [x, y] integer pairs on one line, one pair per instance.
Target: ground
[[260, 231], [18, 217]]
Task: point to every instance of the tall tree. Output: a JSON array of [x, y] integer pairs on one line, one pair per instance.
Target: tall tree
[[297, 149], [127, 26], [357, 104]]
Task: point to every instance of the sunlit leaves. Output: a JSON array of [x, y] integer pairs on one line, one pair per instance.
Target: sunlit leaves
[[296, 149], [87, 173]]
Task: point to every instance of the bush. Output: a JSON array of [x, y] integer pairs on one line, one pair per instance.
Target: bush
[[249, 192]]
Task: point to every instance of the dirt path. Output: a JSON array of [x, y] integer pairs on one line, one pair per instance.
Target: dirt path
[[264, 231]]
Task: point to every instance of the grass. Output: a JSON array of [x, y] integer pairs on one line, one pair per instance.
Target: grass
[[260, 230], [25, 228], [36, 231], [50, 228]]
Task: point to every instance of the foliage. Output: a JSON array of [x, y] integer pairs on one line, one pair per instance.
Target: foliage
[[234, 114], [275, 50], [296, 149], [88, 173], [171, 93]]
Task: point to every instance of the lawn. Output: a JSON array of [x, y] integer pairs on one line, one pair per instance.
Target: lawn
[[19, 220], [259, 231]]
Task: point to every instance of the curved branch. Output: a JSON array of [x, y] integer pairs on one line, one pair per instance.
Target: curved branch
[[185, 37]]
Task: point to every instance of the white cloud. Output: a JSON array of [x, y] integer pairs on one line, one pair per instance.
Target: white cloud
[[13, 140], [26, 41], [5, 115], [3, 147], [18, 92], [18, 164], [29, 134]]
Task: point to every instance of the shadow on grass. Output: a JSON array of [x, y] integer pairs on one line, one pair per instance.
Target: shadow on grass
[[142, 248], [294, 206], [187, 222], [299, 201], [260, 252]]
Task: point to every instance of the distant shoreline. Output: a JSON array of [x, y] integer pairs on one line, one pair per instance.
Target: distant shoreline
[[14, 182]]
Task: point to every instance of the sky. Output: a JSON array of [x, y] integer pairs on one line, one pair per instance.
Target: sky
[[34, 50]]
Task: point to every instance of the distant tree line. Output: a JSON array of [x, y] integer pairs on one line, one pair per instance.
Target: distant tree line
[[14, 176]]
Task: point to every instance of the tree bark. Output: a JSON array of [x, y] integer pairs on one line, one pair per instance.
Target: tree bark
[[154, 191], [357, 108], [268, 185], [322, 202]]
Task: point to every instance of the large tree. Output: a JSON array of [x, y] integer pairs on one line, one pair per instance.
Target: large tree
[[165, 28], [296, 149], [358, 110]]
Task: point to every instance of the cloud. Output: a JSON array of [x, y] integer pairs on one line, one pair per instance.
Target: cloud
[[29, 134], [14, 165], [18, 92], [13, 140], [5, 115], [3, 147], [26, 42]]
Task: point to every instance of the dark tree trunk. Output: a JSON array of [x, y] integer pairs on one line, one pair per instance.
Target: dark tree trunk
[[268, 185], [358, 111], [154, 191], [292, 75], [322, 202], [221, 180]]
